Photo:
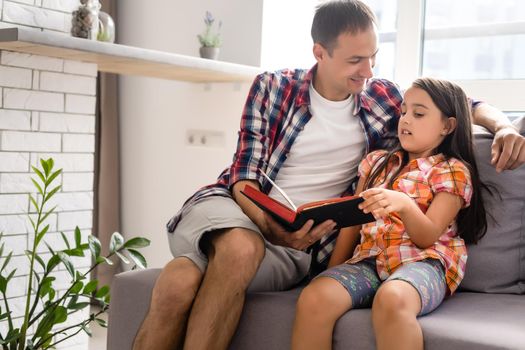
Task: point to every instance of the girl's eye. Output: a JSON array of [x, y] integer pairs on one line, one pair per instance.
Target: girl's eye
[[419, 115], [403, 112]]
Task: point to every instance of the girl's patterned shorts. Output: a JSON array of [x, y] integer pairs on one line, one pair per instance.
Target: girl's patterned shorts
[[362, 281]]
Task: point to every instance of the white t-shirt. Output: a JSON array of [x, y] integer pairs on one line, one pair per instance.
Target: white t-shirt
[[325, 155]]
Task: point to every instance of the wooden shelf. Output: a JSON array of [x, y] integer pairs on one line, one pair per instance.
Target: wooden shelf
[[122, 59]]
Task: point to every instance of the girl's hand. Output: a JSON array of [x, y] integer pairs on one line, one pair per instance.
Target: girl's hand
[[381, 202]]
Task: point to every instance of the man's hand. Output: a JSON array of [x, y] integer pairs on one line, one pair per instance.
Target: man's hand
[[508, 149], [300, 239], [381, 202]]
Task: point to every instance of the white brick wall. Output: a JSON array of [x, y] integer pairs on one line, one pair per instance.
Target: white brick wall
[[47, 108]]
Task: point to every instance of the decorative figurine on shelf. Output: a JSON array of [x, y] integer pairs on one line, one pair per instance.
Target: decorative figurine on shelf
[[210, 41], [84, 20]]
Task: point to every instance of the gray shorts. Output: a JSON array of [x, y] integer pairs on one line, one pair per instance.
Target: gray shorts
[[281, 268]]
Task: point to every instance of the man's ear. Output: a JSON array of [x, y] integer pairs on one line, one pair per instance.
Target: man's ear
[[319, 52], [450, 126]]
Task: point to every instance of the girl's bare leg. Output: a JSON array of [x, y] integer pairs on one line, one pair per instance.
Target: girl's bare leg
[[396, 306], [319, 306]]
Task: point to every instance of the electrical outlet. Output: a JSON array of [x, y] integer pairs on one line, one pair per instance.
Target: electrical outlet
[[205, 138]]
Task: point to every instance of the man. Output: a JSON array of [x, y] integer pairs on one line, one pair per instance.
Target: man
[[307, 130]]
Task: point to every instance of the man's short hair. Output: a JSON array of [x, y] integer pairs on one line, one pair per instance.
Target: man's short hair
[[340, 16]]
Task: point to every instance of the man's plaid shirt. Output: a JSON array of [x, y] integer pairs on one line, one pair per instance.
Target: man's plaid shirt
[[276, 111]]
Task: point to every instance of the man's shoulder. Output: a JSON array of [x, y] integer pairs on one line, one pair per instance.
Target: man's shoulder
[[379, 86], [284, 76]]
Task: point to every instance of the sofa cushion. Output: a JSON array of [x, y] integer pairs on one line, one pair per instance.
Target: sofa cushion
[[464, 321], [497, 263]]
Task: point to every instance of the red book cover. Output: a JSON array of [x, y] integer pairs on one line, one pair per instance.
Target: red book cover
[[344, 210]]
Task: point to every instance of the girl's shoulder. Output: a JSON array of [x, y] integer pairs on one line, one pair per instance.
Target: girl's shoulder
[[452, 164]]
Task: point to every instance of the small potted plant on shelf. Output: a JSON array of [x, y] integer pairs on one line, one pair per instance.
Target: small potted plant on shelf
[[210, 40]]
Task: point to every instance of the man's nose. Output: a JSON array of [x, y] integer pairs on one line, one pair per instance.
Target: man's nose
[[367, 68]]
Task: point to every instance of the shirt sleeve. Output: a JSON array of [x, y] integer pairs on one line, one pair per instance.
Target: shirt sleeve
[[452, 176], [368, 163], [252, 145]]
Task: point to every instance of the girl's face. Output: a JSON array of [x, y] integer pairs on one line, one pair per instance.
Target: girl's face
[[422, 126]]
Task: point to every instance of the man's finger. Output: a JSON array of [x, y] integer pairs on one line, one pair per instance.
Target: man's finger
[[504, 156], [495, 151]]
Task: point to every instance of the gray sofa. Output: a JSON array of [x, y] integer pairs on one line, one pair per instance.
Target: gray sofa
[[487, 313]]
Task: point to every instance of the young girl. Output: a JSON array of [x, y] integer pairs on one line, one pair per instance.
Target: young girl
[[425, 196]]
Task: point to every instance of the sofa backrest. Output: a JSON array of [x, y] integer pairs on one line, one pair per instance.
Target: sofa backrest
[[497, 263]]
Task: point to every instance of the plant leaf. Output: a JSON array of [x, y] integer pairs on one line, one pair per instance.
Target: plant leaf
[[37, 185], [41, 235], [52, 193], [101, 293], [87, 330], [94, 246], [49, 248], [45, 166], [53, 176], [137, 242], [40, 261], [3, 284], [90, 287], [35, 204], [6, 261], [137, 258], [77, 287], [116, 242], [67, 263], [64, 238], [74, 252], [48, 213], [52, 263], [60, 314], [78, 306], [102, 259], [39, 173], [78, 237], [101, 322], [123, 258]]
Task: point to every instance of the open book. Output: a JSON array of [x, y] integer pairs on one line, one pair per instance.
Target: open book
[[343, 211]]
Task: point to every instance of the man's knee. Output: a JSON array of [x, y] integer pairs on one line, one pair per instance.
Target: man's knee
[[238, 249], [176, 287]]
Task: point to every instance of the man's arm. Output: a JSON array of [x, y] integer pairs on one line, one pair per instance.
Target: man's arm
[[508, 147]]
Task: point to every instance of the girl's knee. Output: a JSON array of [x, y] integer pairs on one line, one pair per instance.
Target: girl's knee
[[396, 298], [324, 298]]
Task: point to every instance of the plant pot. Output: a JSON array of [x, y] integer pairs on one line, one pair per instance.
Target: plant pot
[[211, 53]]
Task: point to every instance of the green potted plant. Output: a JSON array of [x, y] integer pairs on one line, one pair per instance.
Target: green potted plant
[[46, 308], [210, 40]]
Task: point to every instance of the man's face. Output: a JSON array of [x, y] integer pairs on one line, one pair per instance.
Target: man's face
[[346, 70]]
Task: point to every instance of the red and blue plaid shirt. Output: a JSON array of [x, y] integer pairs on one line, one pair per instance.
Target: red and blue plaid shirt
[[276, 111]]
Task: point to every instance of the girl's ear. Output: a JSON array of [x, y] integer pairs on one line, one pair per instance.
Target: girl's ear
[[450, 125]]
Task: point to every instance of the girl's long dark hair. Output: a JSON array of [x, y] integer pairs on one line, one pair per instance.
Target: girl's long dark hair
[[452, 102]]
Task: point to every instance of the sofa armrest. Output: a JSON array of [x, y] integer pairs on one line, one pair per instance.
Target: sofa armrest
[[130, 299]]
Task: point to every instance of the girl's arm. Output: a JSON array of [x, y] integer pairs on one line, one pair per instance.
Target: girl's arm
[[423, 229], [347, 239]]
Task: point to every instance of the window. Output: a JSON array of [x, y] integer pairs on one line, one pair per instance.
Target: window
[[474, 39]]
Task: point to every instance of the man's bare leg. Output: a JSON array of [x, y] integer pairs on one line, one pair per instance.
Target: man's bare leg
[[234, 257], [171, 300]]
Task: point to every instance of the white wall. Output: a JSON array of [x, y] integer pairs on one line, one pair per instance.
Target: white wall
[[47, 109], [159, 169]]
